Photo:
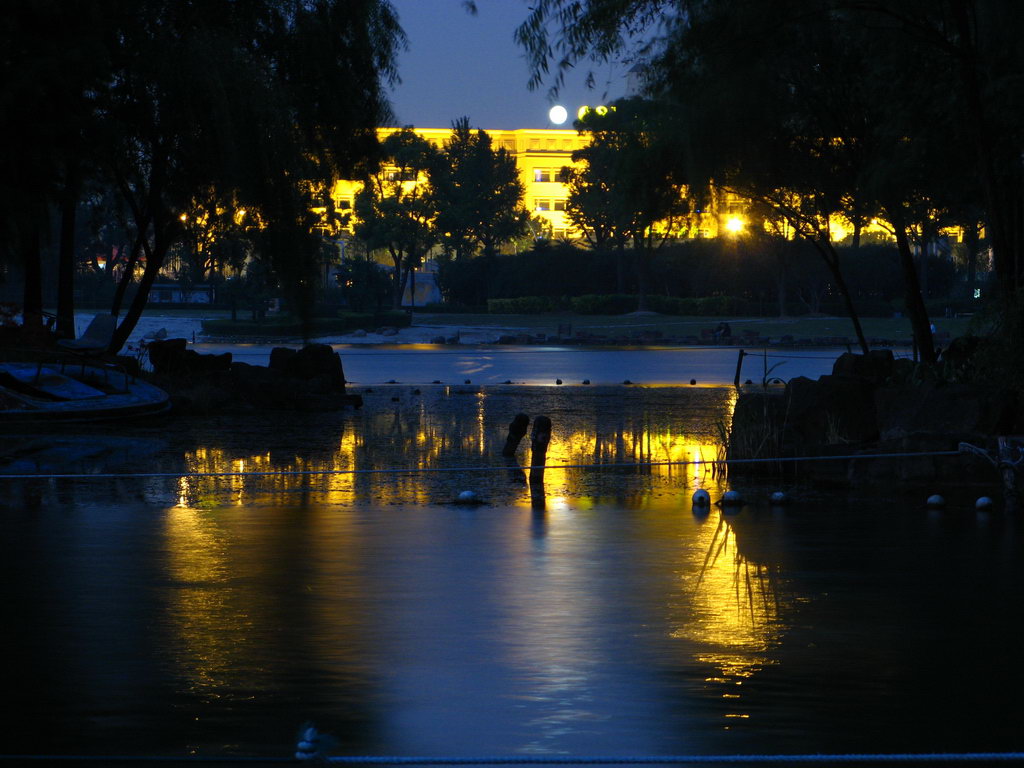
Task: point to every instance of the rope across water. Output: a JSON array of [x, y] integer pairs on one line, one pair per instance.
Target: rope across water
[[480, 468]]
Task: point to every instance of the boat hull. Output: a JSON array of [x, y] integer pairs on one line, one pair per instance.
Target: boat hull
[[45, 394]]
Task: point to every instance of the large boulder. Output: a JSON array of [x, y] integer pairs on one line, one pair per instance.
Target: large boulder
[[951, 409], [314, 361], [876, 366], [833, 409], [173, 358], [309, 379]]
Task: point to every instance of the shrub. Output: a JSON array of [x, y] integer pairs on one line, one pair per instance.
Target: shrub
[[606, 304], [523, 305], [449, 309]]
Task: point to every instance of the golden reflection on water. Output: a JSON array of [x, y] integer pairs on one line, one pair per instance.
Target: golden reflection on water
[[729, 607], [424, 438], [725, 608], [206, 628]]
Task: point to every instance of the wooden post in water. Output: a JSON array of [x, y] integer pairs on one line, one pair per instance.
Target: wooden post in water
[[739, 368], [516, 432], [539, 440]]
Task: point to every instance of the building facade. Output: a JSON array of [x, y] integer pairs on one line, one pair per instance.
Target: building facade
[[541, 154]]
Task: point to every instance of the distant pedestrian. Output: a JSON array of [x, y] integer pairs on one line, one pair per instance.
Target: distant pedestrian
[[723, 331]]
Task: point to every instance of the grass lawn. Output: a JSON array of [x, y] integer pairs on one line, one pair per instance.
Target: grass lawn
[[676, 326]]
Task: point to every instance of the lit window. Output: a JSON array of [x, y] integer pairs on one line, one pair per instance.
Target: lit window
[[977, 293], [541, 205], [542, 174]]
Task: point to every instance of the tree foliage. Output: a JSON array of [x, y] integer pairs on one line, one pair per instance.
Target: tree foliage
[[478, 193], [908, 110], [631, 187], [396, 209], [185, 105]]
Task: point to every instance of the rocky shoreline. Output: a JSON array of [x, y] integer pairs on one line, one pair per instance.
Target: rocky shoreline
[[310, 379], [872, 405]]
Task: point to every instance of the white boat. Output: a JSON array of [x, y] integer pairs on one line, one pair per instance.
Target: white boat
[[30, 392]]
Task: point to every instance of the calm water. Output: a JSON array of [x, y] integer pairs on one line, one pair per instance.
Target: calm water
[[211, 616], [367, 364]]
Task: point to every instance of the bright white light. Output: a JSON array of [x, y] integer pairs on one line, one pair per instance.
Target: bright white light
[[557, 114], [735, 225]]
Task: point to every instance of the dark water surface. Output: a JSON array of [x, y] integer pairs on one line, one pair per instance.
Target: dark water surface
[[373, 364], [179, 614]]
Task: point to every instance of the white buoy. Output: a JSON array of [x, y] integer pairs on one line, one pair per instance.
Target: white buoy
[[701, 498], [732, 499], [984, 503], [467, 497], [308, 747], [779, 498], [935, 501]]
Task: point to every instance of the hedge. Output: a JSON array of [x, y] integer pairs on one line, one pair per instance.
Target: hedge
[[522, 305]]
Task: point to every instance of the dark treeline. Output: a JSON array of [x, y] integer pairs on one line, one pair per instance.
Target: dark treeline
[[200, 132], [907, 112], [773, 278]]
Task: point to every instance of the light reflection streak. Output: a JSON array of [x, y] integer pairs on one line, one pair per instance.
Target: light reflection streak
[[208, 632], [729, 609], [470, 433]]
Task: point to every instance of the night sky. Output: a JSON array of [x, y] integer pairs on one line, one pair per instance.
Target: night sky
[[460, 64]]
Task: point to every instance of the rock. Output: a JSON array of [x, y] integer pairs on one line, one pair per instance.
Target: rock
[[173, 358], [359, 333], [931, 409], [832, 410], [310, 379], [165, 356], [315, 360], [876, 366], [389, 331], [279, 357]]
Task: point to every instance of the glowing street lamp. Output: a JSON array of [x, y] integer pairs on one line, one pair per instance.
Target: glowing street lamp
[[734, 225]]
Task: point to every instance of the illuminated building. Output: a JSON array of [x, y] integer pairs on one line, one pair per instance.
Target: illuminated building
[[542, 153]]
